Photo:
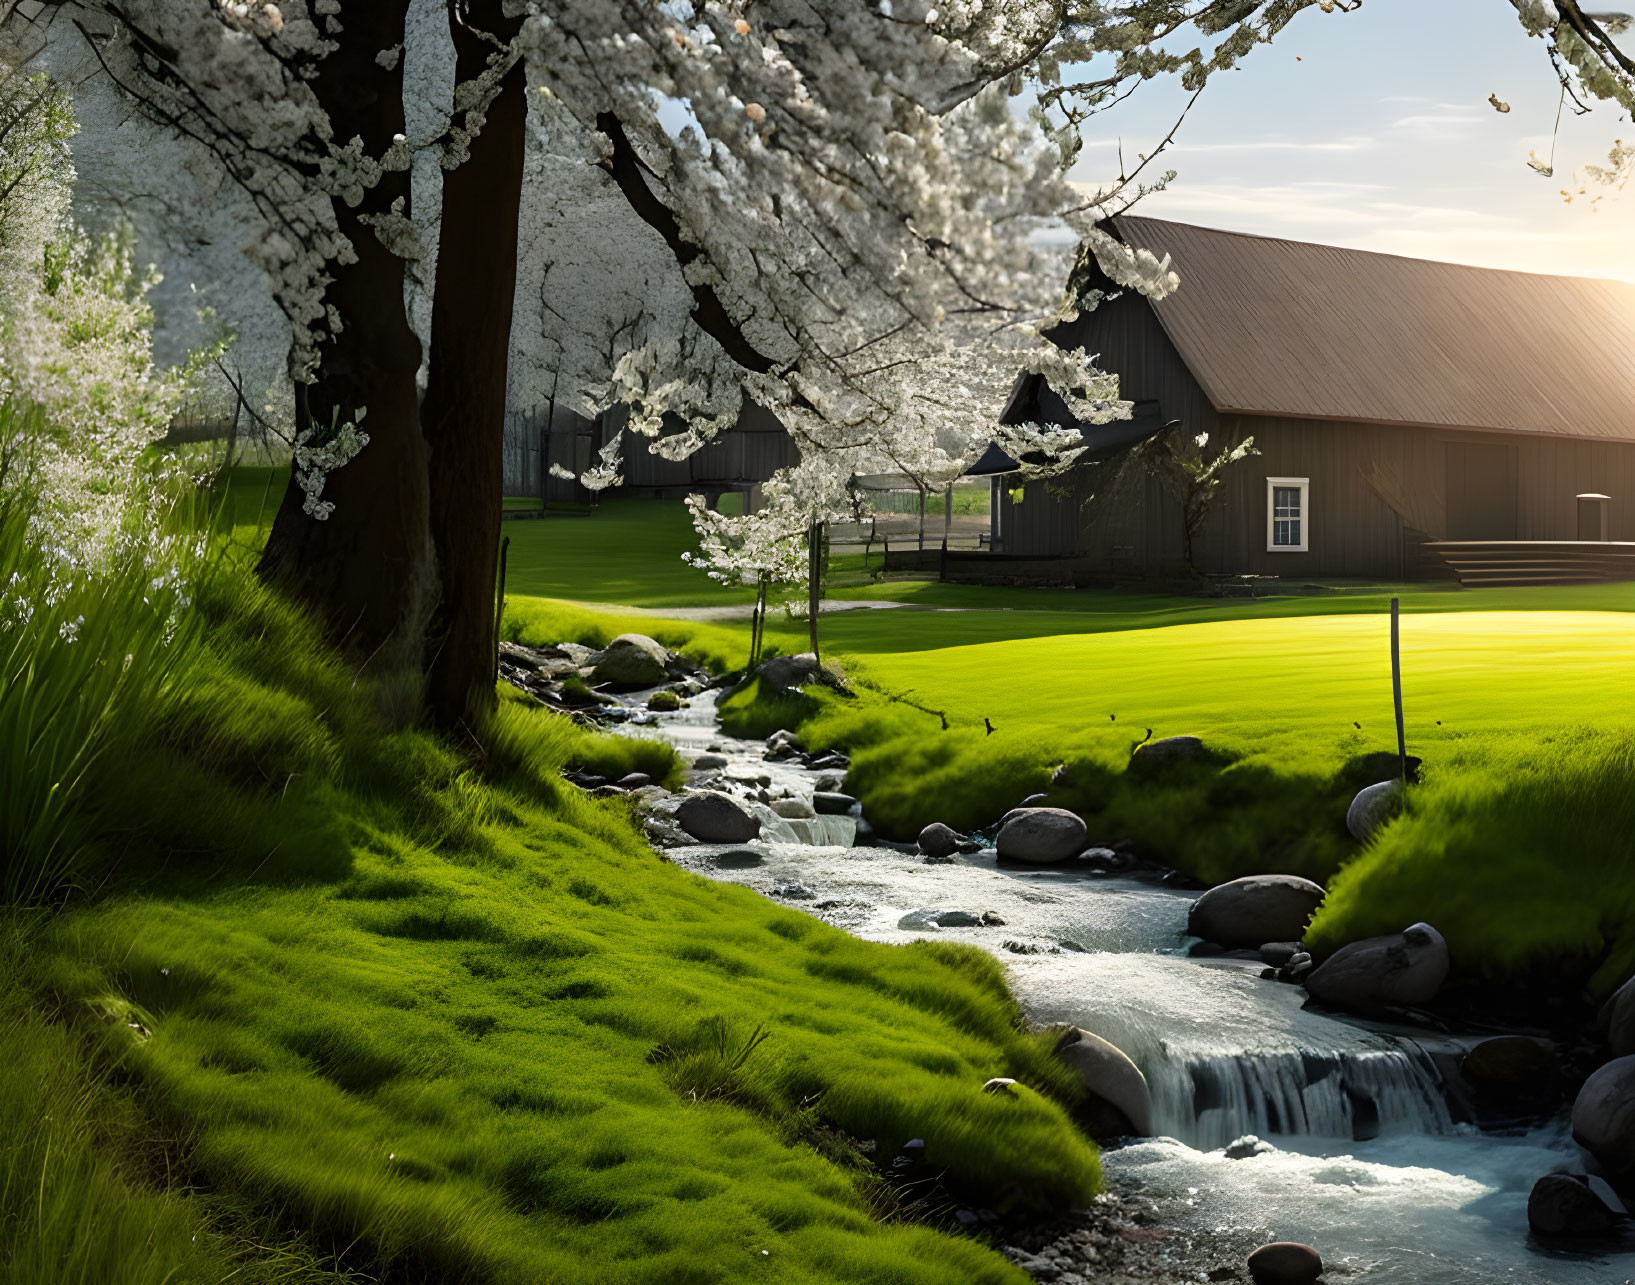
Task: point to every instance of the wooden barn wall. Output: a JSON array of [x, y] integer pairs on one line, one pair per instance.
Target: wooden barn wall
[[1376, 491], [752, 451], [1131, 343]]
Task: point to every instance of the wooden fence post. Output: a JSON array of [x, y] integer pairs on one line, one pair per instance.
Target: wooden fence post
[[1396, 692]]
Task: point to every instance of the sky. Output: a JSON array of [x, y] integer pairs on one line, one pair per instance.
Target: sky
[[1372, 129]]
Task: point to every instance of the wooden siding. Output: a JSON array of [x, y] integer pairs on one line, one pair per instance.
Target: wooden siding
[[749, 453], [1376, 493]]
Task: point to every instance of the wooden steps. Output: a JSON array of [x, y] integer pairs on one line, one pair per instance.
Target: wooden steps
[[1512, 563]]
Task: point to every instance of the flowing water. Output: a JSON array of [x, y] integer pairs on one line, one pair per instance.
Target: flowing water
[[1368, 1166]]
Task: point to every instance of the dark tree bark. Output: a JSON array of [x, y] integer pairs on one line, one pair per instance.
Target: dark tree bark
[[367, 568], [463, 414]]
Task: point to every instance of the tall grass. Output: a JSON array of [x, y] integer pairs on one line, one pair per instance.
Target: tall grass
[[87, 654]]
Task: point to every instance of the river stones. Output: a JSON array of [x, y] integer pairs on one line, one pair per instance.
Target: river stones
[[1372, 808], [709, 762], [783, 744], [1118, 1104], [938, 841], [711, 817], [1507, 1060], [930, 920], [1249, 912], [1157, 757], [631, 660], [1604, 1115], [832, 803], [781, 673], [793, 809], [1402, 970], [1285, 1263], [634, 781], [1041, 836], [1565, 1206]]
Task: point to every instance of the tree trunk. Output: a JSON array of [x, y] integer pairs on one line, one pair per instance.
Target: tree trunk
[[463, 414], [367, 567]]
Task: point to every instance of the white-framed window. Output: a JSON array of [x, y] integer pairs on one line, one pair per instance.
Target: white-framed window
[[1288, 514]]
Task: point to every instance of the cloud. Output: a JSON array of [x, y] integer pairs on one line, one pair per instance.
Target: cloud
[[1439, 118], [1350, 143]]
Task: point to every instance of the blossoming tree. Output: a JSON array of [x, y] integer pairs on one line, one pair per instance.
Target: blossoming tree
[[796, 158]]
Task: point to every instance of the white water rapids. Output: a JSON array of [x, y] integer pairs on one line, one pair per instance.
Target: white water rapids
[[1369, 1165]]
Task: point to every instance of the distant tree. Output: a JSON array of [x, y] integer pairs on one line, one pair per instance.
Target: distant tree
[[1190, 475], [761, 550]]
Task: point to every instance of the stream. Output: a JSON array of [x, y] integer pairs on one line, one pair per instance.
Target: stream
[[1369, 1166]]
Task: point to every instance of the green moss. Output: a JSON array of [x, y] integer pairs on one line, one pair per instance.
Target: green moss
[[1522, 853], [457, 1020]]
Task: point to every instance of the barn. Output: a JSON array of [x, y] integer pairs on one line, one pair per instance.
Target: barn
[[1413, 418]]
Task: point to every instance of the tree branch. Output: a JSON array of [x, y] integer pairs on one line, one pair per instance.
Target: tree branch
[[709, 312]]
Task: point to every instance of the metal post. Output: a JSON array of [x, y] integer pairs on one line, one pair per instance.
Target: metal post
[[1396, 692]]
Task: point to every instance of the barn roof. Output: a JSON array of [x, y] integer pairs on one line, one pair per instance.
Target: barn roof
[[1276, 327]]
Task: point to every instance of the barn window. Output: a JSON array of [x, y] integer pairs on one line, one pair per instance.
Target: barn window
[[1288, 514]]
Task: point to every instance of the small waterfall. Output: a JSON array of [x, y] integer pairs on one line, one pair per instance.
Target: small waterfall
[[1210, 1101]]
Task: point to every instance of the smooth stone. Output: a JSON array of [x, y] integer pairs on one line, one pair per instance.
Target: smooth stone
[[1372, 808], [1247, 1147], [793, 892], [738, 859], [803, 670], [1511, 1060], [1159, 756], [794, 809], [1278, 953], [938, 840], [633, 781], [1246, 913], [711, 817], [631, 660], [1618, 1016], [709, 762], [1400, 971], [1119, 1105], [832, 803], [1604, 1115], [1042, 836], [919, 921], [1564, 1206], [1285, 1263], [959, 919]]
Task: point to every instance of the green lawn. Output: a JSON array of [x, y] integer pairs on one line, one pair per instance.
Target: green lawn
[[1518, 701], [625, 551]]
